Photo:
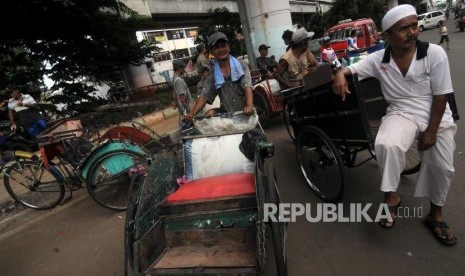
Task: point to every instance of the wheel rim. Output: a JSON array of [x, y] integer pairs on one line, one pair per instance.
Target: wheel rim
[[33, 186], [261, 107], [109, 179], [278, 229], [287, 121], [320, 165]]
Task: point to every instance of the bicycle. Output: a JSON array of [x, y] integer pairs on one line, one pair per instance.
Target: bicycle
[[67, 158]]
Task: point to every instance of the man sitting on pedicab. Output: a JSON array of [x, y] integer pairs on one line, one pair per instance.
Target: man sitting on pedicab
[[230, 80], [293, 64]]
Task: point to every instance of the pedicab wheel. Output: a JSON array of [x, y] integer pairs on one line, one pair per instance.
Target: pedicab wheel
[[29, 183], [261, 227], [109, 178], [287, 114], [131, 211], [320, 163], [261, 106], [412, 160], [278, 229]]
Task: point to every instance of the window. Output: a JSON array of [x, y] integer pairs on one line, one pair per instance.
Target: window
[[371, 29], [175, 34], [162, 56], [155, 36], [192, 32], [181, 53]]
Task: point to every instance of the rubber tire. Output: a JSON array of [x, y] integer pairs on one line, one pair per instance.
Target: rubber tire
[[262, 108], [57, 176], [336, 157], [287, 123], [421, 28], [131, 212], [90, 185], [278, 229]]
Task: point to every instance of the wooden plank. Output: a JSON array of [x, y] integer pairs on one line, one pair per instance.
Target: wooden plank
[[215, 256], [200, 271], [223, 236], [211, 205], [240, 218]]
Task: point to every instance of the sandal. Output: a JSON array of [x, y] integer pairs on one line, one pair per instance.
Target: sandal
[[443, 236], [392, 209]]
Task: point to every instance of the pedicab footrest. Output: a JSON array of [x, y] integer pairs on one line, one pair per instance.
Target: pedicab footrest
[[214, 187]]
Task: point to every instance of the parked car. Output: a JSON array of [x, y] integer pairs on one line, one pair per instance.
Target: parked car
[[430, 20]]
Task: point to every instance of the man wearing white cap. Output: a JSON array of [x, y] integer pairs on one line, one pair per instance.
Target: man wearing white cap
[[415, 80], [292, 65]]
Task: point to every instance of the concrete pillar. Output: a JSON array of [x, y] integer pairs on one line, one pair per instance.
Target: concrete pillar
[[264, 22], [137, 76], [392, 3]]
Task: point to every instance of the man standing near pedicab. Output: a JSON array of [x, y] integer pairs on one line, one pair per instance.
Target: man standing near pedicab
[[230, 80]]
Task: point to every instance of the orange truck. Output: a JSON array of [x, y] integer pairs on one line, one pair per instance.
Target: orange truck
[[367, 35]]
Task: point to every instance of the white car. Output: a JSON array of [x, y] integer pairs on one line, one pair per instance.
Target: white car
[[430, 20]]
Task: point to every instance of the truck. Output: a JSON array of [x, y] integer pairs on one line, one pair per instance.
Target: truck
[[367, 35]]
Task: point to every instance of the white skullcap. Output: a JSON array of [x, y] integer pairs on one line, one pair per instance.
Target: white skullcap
[[395, 14]]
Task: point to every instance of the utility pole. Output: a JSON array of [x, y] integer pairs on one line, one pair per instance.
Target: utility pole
[[263, 22], [392, 3]]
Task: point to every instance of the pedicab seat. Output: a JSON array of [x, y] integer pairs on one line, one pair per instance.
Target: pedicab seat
[[214, 187]]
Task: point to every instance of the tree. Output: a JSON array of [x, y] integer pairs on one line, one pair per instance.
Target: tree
[[221, 19], [70, 41]]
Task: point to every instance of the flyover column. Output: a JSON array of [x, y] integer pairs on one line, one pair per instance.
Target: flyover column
[[263, 22]]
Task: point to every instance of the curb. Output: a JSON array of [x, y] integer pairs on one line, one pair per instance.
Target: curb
[[159, 116]]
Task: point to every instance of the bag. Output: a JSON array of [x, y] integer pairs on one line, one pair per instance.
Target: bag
[[250, 140]]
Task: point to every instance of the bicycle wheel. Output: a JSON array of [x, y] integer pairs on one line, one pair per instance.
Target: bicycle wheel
[[109, 178], [30, 184], [321, 163], [261, 105], [278, 229], [288, 112], [131, 212], [412, 159]]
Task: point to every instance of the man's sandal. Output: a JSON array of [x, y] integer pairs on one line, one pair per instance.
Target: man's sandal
[[443, 236], [392, 209]]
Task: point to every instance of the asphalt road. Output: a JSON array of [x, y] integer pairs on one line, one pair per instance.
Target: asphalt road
[[82, 238]]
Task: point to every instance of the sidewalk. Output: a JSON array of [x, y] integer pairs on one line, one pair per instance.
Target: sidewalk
[[163, 122]]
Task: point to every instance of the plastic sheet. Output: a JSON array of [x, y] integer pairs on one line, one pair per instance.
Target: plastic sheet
[[226, 123], [212, 156]]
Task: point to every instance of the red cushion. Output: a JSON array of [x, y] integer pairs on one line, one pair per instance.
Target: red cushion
[[215, 187]]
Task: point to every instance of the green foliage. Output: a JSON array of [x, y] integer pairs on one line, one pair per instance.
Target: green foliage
[[221, 19], [71, 41], [343, 9]]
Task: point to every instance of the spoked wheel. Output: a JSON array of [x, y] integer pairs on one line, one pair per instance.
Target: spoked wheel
[[278, 229], [131, 211], [261, 106], [321, 163], [288, 113], [412, 159], [261, 227], [110, 177], [33, 186]]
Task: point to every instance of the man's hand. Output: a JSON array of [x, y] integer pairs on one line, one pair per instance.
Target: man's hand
[[249, 110], [426, 140], [13, 127], [340, 86], [188, 117]]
